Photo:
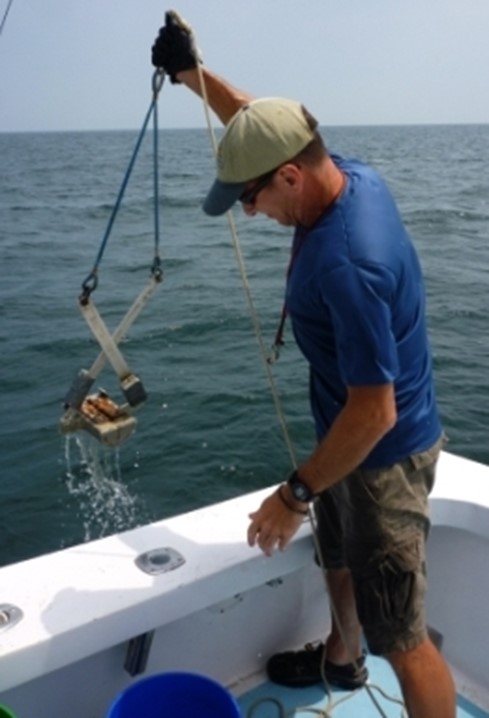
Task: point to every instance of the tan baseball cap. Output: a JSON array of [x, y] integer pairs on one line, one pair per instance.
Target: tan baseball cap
[[260, 137]]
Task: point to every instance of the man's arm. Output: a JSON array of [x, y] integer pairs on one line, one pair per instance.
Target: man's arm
[[369, 413], [224, 99]]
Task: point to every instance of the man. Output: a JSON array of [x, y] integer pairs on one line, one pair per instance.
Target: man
[[356, 302]]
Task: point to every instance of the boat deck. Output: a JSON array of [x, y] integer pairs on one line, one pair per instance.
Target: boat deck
[[267, 699]]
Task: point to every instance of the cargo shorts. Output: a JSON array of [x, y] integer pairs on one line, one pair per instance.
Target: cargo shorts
[[375, 522]]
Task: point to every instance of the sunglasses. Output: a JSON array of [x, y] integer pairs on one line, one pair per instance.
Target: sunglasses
[[249, 195]]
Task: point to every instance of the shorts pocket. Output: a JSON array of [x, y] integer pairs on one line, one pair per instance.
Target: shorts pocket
[[390, 589]]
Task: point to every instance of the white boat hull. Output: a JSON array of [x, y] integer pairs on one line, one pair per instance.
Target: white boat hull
[[225, 609]]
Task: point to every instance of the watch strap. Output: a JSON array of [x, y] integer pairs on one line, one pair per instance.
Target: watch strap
[[286, 503], [295, 479]]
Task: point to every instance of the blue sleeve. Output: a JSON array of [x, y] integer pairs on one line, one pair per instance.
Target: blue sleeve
[[359, 298]]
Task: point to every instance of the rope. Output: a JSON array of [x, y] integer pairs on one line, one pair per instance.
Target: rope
[[91, 281], [369, 688], [4, 18], [157, 83], [244, 278]]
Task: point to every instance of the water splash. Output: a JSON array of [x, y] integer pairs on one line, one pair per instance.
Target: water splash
[[94, 480]]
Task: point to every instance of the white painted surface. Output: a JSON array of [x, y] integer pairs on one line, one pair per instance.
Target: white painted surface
[[85, 599], [458, 565], [83, 604], [461, 495]]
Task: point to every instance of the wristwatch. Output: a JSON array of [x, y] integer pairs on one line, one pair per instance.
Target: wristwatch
[[299, 490]]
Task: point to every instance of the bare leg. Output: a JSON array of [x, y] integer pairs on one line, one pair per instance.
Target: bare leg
[[342, 596], [426, 682]]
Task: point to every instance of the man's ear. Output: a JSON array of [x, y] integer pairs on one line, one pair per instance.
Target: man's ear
[[290, 174]]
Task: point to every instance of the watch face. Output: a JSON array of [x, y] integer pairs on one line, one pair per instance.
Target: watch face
[[300, 491]]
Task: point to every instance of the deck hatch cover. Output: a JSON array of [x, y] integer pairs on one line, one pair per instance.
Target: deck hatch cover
[[10, 615], [159, 560]]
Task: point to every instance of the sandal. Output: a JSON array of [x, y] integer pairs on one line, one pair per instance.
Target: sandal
[[300, 669]]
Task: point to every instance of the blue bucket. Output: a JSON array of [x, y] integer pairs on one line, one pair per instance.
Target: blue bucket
[[175, 695]]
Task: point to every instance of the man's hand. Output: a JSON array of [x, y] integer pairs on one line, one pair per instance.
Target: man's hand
[[174, 48], [273, 525]]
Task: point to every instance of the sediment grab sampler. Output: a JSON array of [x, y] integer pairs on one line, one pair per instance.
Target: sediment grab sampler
[[109, 422]]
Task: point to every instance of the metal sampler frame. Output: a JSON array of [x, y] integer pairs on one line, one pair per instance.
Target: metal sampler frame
[[97, 413]]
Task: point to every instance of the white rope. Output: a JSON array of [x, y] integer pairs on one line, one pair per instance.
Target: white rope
[[244, 278]]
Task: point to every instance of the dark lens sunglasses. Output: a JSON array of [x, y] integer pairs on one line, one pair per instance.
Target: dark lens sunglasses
[[249, 196]]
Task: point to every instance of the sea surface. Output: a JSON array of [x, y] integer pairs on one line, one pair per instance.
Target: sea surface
[[209, 429]]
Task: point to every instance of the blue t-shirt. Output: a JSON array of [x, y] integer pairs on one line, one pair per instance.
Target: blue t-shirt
[[356, 299]]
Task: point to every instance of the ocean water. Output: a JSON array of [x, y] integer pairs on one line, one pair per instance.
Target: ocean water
[[209, 429]]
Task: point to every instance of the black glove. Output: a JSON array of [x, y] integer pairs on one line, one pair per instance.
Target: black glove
[[173, 49]]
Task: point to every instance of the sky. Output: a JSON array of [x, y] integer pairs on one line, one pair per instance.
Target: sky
[[85, 64]]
